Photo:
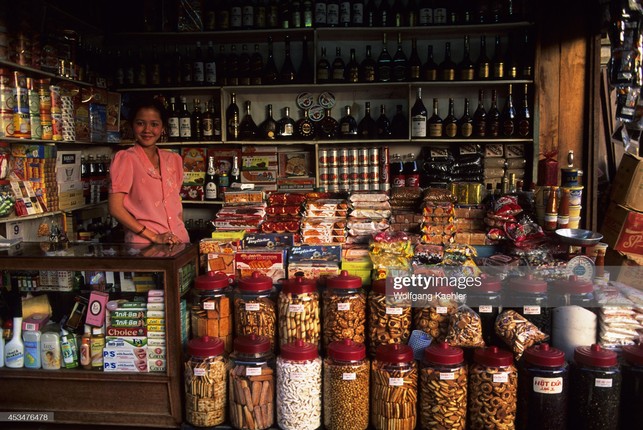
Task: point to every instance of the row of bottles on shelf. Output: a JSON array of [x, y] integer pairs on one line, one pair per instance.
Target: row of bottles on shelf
[[216, 184], [94, 175], [184, 125]]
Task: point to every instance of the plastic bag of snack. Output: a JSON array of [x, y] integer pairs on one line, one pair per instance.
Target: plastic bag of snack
[[465, 329], [438, 195], [517, 332]]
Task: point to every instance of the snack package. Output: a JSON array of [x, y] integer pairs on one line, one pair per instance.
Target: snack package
[[517, 332], [465, 329]]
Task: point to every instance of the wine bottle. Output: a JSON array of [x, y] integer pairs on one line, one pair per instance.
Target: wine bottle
[[338, 66], [466, 68], [232, 119], [272, 13], [398, 14], [450, 124], [261, 14], [498, 61], [185, 121], [465, 124], [141, 69], [383, 125], [347, 125], [435, 122], [400, 63], [370, 14], [256, 67], [440, 13], [210, 186], [384, 63], [357, 13], [368, 67], [384, 14], [198, 67], [244, 66], [305, 72], [483, 64], [367, 129], [304, 127], [419, 116], [323, 68], [425, 16], [508, 117], [236, 16], [196, 121], [235, 172], [320, 13], [210, 66], [270, 72], [221, 66], [493, 117], [480, 117], [332, 13], [232, 66], [295, 14], [247, 128], [482, 12], [287, 75], [527, 71], [207, 122], [524, 117], [268, 128], [512, 66], [399, 124], [352, 69], [173, 126], [223, 16], [154, 69], [415, 64], [430, 68], [284, 14], [328, 127], [344, 13], [447, 67], [286, 126], [412, 13]]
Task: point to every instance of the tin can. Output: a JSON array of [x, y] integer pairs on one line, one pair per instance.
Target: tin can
[[384, 155], [323, 174], [344, 174], [385, 186], [333, 175], [375, 186], [6, 123], [385, 173], [569, 177], [34, 102], [344, 186], [333, 157], [362, 174], [56, 102], [56, 126], [374, 174], [343, 157], [22, 125], [44, 95], [323, 158], [476, 193], [22, 100], [333, 188], [373, 156], [353, 157], [47, 128], [36, 127], [364, 186], [362, 157]]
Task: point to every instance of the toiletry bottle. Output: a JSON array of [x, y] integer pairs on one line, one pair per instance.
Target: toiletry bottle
[[96, 348], [69, 349], [50, 351], [14, 350], [85, 348], [31, 340]]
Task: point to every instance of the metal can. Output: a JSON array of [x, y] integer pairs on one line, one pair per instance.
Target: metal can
[[47, 128], [344, 186], [362, 157], [373, 156], [385, 172], [362, 174], [323, 158], [56, 126], [22, 125], [384, 154], [344, 174], [6, 123], [21, 96], [333, 157], [343, 157], [56, 101], [353, 157], [44, 96], [7, 97], [333, 175], [323, 174], [36, 127], [364, 186], [385, 186], [34, 102], [375, 186], [333, 188], [374, 174]]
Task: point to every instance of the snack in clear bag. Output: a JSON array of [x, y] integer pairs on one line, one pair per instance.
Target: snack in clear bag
[[465, 329], [517, 332]]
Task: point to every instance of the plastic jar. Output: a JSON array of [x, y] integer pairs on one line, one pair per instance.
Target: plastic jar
[[443, 388], [299, 386], [486, 300], [394, 377], [255, 307], [493, 386], [299, 316], [252, 383], [632, 389], [205, 382], [528, 296], [346, 386], [572, 291], [211, 313], [388, 323], [596, 388], [344, 309], [543, 389], [434, 316]]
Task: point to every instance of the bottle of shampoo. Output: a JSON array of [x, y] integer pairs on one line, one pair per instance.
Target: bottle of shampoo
[[69, 349], [85, 349], [31, 339], [14, 350], [50, 351], [1, 351]]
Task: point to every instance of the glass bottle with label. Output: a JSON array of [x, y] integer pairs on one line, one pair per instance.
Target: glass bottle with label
[[197, 121], [367, 129], [498, 61], [400, 63], [399, 124], [448, 66], [210, 66], [480, 117], [430, 68], [344, 13], [328, 127], [357, 13], [286, 126], [173, 126], [332, 13], [370, 13], [419, 117], [235, 172], [305, 128], [305, 71], [466, 68], [450, 122], [465, 123], [338, 67], [508, 117], [198, 67], [367, 67], [483, 64], [323, 68], [383, 124], [244, 66], [384, 63], [523, 128], [347, 125], [287, 74], [351, 72], [185, 121], [270, 72], [268, 128], [256, 67], [415, 64], [211, 183], [320, 13], [493, 117], [207, 122], [232, 119], [247, 128], [384, 14], [435, 123]]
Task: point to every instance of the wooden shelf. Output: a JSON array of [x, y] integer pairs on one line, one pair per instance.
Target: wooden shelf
[[14, 218], [43, 73]]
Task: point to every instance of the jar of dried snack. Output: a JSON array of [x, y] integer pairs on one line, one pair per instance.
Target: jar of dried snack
[[528, 296], [344, 309], [299, 386], [346, 386], [543, 389], [389, 320], [394, 381], [211, 312], [443, 388], [632, 391], [493, 385], [205, 382], [252, 383], [572, 291], [433, 316], [255, 307], [486, 300], [299, 311], [596, 389]]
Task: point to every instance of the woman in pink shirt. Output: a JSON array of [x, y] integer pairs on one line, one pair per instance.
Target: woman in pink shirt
[[145, 183]]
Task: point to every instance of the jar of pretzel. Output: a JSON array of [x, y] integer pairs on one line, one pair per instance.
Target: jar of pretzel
[[255, 307]]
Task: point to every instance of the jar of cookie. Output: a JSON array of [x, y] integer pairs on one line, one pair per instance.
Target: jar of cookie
[[443, 388], [344, 309], [389, 321], [528, 296], [255, 307], [486, 300], [493, 385], [211, 310], [299, 316], [434, 315]]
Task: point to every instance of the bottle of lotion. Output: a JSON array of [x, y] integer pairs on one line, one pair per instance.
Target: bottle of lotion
[[31, 339], [14, 351], [1, 351], [50, 351], [69, 349], [96, 347], [85, 348]]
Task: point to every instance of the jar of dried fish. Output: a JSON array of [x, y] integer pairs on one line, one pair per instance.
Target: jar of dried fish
[[211, 310], [255, 307]]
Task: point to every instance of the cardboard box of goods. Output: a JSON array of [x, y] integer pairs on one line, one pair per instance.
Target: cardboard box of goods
[[294, 164], [224, 158], [97, 123], [71, 199], [320, 253], [269, 263], [82, 124], [28, 150], [64, 187], [194, 166], [293, 183], [625, 268], [627, 187], [68, 166], [125, 332], [268, 240], [259, 176], [514, 150], [193, 193], [157, 365], [623, 229], [221, 263], [259, 161], [493, 150]]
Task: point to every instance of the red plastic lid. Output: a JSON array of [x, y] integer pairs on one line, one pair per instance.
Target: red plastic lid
[[299, 351], [633, 354], [211, 281], [379, 286], [345, 281], [346, 350], [595, 356], [205, 346], [490, 284], [528, 284], [493, 357], [572, 285], [443, 353], [251, 344], [394, 353], [545, 356], [255, 282], [299, 285]]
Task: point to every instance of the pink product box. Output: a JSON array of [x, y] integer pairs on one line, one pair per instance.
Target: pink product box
[[96, 309], [35, 322]]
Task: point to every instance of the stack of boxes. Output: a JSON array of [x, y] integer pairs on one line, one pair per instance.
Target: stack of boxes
[[68, 175], [156, 340], [194, 167], [33, 177], [259, 166]]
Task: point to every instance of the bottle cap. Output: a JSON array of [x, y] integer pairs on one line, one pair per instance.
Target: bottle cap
[[493, 357], [299, 285], [344, 281], [394, 353], [572, 285], [299, 351], [443, 353], [205, 346], [251, 344], [489, 284], [595, 356], [255, 282], [528, 284], [633, 354], [545, 356], [346, 350], [212, 281]]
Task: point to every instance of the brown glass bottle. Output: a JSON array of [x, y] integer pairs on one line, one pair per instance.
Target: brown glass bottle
[[270, 72], [287, 74], [256, 67], [483, 65], [232, 67], [450, 124], [523, 128], [415, 64], [207, 122], [447, 67], [352, 69], [338, 67], [304, 127], [328, 127], [435, 122], [367, 68], [466, 68], [323, 68], [197, 121], [465, 123], [367, 129], [498, 61], [493, 117], [244, 66], [347, 125], [430, 68], [232, 119], [247, 128], [268, 128], [480, 118], [305, 71], [508, 120]]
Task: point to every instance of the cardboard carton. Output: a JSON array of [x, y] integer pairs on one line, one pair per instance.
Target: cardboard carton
[[623, 229], [627, 187]]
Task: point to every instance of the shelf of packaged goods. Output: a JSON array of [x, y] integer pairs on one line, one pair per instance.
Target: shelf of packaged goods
[[472, 140], [52, 142], [14, 218], [342, 87], [234, 142], [227, 36], [202, 203], [182, 143], [41, 73]]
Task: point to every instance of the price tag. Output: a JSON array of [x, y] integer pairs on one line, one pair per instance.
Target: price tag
[[253, 307], [485, 309], [603, 383], [441, 309], [349, 376], [199, 371], [394, 311], [15, 230], [296, 309], [343, 306], [209, 306], [548, 385], [501, 378], [396, 382], [253, 371], [447, 376], [531, 310], [297, 376]]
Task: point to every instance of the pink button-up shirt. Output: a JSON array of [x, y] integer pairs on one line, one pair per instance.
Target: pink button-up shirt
[[152, 198]]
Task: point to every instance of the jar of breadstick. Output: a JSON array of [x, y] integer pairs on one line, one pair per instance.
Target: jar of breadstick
[[394, 379], [252, 383], [344, 309], [211, 310], [389, 319], [298, 306], [205, 378], [255, 307]]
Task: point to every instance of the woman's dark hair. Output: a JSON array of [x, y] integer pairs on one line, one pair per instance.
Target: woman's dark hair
[[148, 104]]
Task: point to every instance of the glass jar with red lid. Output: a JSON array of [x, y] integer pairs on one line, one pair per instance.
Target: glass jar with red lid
[[486, 300], [528, 296], [443, 387], [632, 389], [572, 291], [344, 309], [255, 307], [299, 316], [211, 310], [389, 319], [434, 315]]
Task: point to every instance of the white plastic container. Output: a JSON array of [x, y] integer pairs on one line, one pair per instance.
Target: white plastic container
[[50, 351], [31, 339], [1, 351], [14, 350]]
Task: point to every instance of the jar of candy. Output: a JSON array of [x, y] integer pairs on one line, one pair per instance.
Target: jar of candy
[[255, 307], [632, 389], [389, 319], [299, 316], [344, 309], [211, 313]]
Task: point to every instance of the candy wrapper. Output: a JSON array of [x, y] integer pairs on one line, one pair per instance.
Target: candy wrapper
[[465, 329], [517, 332]]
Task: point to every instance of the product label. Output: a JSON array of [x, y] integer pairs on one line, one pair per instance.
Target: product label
[[253, 307], [501, 378], [349, 376], [396, 382], [451, 129], [298, 376], [435, 130], [485, 309], [531, 310], [441, 309], [208, 306], [185, 127], [343, 306], [211, 72], [296, 309], [603, 383], [418, 126], [320, 13], [548, 385], [447, 376], [332, 14], [173, 127], [253, 371], [426, 16], [394, 311], [466, 130], [199, 371]]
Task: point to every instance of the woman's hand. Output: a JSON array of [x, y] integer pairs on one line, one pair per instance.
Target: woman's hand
[[166, 238]]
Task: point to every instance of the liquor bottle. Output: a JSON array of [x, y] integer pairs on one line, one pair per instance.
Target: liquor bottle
[[384, 62], [493, 117], [211, 181], [198, 67], [186, 68], [272, 14], [140, 70], [338, 66], [466, 68], [498, 61], [370, 14], [207, 122], [210, 66], [332, 13], [268, 128], [155, 68], [425, 16], [185, 121], [352, 69], [286, 126], [256, 67], [412, 14], [244, 66], [232, 119], [512, 66], [398, 179], [450, 124], [261, 15], [236, 16], [496, 11], [347, 125], [440, 13], [527, 62], [221, 61], [430, 68], [435, 122], [383, 125], [367, 129], [284, 14], [384, 14], [235, 172], [248, 14], [415, 64], [447, 67], [400, 63], [482, 13], [232, 67], [483, 64], [465, 124], [247, 128], [411, 171], [270, 72], [196, 121], [304, 127], [524, 117], [368, 67], [419, 116], [320, 13], [287, 75], [305, 72], [173, 122], [399, 124], [508, 120], [328, 127], [480, 117], [175, 72], [323, 68], [217, 121], [223, 16], [307, 13], [344, 13], [467, 14], [357, 13], [398, 14]]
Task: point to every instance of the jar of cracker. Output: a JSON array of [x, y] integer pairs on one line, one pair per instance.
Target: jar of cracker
[[389, 320], [205, 382], [255, 307], [299, 316], [344, 309], [486, 300], [211, 311], [528, 296]]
